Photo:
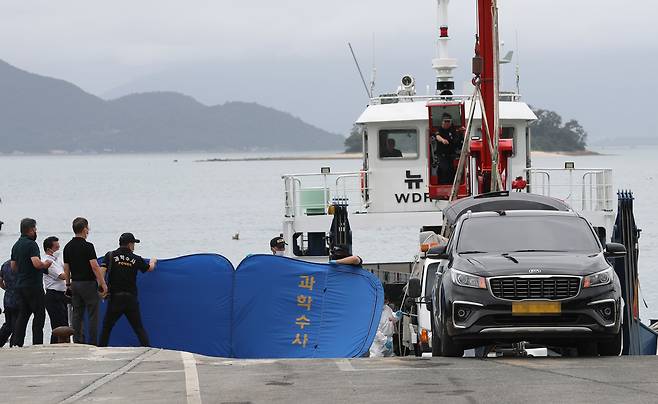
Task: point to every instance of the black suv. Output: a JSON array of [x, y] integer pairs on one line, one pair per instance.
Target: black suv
[[540, 276]]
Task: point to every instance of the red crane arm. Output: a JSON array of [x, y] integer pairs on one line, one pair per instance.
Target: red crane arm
[[487, 82]]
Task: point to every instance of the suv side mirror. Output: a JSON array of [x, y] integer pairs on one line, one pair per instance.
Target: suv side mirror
[[614, 250], [414, 289], [438, 252]]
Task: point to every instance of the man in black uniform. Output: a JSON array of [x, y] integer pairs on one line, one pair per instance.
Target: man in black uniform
[[122, 266], [448, 142], [26, 262]]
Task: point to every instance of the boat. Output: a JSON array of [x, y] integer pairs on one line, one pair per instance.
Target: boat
[[405, 190]]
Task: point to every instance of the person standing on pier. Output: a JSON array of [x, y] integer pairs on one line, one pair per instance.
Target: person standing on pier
[[121, 266], [10, 302], [84, 276], [26, 262], [55, 284]]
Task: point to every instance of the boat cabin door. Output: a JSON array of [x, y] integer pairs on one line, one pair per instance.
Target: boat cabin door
[[446, 123]]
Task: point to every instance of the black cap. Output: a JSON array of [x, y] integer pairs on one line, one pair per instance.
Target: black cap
[[127, 238], [278, 242], [339, 251]]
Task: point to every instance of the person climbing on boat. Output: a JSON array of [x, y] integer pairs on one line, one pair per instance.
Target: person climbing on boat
[[340, 255]]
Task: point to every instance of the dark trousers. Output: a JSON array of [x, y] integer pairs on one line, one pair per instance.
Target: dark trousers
[[85, 298], [7, 329], [56, 308], [446, 169], [120, 304], [32, 302]]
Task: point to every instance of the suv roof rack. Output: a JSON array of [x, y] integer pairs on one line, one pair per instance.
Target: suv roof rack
[[492, 194]]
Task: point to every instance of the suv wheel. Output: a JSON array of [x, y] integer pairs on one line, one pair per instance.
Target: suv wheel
[[587, 349], [611, 347], [448, 346], [436, 344]]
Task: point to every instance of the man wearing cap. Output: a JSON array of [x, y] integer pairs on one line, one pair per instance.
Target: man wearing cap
[[448, 143], [340, 254], [278, 246], [121, 266]]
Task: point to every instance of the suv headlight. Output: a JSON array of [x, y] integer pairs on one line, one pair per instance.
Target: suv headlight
[[468, 280], [598, 279]]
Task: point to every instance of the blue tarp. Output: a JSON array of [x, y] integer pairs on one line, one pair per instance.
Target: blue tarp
[[288, 308], [270, 307], [185, 305]]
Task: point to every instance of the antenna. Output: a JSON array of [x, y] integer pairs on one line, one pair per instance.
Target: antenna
[[359, 69], [518, 77], [373, 75], [443, 64]]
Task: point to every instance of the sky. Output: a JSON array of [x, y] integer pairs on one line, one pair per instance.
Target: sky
[[588, 60]]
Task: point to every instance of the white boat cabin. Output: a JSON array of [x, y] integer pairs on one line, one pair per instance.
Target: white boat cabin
[[401, 188]]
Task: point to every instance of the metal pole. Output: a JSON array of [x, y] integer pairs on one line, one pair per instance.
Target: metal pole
[[464, 151]]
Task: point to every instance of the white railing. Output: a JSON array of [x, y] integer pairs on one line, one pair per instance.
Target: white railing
[[583, 189], [394, 98], [311, 193]]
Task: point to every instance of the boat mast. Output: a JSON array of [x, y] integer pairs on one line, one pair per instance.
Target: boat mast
[[488, 51], [443, 64]]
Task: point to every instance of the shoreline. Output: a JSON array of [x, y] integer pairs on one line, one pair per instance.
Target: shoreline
[[337, 156], [567, 153], [359, 156]]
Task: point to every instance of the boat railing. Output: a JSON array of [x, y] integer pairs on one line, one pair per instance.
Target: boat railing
[[585, 189], [396, 98], [311, 194]]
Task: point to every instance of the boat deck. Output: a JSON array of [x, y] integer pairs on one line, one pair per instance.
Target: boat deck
[[80, 373]]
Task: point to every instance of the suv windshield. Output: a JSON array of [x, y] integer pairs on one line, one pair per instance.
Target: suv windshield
[[525, 234]]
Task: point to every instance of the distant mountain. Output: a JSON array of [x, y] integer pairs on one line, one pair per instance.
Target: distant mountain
[[42, 114]]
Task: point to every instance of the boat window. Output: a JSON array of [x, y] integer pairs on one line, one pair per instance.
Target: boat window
[[397, 144]]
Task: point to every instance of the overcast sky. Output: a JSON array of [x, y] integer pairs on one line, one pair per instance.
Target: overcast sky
[[581, 58]]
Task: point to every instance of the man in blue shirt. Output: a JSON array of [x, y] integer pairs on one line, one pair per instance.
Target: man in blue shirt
[[26, 262], [10, 302]]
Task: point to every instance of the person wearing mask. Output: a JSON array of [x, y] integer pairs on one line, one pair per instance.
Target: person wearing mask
[[26, 262], [121, 266], [84, 276], [448, 144], [278, 246], [55, 283], [10, 302]]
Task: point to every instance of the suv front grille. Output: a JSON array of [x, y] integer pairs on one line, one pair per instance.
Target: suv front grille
[[519, 288]]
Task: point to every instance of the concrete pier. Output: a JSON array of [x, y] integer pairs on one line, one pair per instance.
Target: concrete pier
[[79, 373]]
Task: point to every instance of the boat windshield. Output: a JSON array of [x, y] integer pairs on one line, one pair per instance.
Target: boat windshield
[[507, 234]]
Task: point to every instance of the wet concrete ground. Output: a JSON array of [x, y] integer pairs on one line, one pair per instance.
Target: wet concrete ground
[[78, 373]]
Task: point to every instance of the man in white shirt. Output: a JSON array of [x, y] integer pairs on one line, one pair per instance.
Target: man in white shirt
[[54, 281]]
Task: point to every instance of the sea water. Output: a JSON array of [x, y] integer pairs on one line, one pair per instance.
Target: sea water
[[176, 204]]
